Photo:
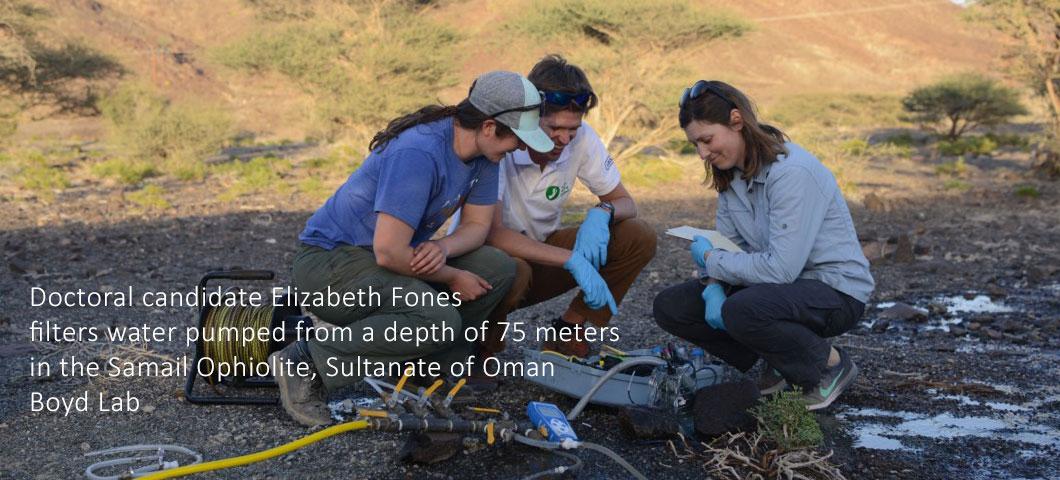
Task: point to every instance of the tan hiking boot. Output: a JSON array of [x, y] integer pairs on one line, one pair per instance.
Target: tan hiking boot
[[303, 397]]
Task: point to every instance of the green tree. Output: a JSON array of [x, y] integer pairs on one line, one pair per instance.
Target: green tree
[[1033, 30], [964, 101]]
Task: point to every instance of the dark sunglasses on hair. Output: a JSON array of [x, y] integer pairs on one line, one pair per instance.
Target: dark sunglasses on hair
[[699, 88], [563, 98], [525, 108]]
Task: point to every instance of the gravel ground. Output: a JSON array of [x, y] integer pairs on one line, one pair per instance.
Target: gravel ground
[[994, 383]]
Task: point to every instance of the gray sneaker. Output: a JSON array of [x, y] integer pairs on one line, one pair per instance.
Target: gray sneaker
[[833, 382], [771, 381], [303, 398]]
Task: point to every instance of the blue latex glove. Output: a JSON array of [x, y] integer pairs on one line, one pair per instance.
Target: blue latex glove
[[593, 287], [700, 247], [593, 236], [714, 296]]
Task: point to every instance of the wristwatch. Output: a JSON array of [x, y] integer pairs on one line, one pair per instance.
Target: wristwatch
[[610, 209]]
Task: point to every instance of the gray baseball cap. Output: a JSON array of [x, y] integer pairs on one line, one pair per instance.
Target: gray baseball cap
[[513, 101]]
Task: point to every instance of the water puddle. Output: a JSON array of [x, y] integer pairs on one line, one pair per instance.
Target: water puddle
[[945, 311], [965, 400], [885, 429], [977, 304]]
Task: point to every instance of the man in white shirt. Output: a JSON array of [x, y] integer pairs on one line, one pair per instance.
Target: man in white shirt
[[603, 256]]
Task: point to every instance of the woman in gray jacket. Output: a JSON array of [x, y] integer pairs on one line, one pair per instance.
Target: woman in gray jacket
[[801, 278]]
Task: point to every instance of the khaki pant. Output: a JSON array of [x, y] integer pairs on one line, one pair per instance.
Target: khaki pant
[[631, 247], [351, 269]]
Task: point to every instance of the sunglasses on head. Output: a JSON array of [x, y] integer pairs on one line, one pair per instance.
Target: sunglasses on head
[[563, 98], [525, 108], [698, 89]]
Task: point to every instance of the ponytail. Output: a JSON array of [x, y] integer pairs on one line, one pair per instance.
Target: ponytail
[[466, 115], [426, 114]]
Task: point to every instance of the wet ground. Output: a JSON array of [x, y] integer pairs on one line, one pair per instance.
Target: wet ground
[[961, 384]]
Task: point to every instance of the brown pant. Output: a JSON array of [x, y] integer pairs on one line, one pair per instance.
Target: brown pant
[[631, 247]]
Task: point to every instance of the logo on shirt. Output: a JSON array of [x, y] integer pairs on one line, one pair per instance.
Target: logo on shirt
[[554, 191], [610, 162]]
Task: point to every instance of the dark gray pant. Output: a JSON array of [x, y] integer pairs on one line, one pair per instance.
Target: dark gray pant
[[785, 324], [351, 269]]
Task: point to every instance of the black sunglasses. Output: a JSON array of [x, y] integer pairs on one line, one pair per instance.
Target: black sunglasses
[[699, 88], [525, 108], [563, 98]]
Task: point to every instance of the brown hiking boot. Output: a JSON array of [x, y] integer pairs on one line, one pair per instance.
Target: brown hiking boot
[[568, 339], [303, 398]]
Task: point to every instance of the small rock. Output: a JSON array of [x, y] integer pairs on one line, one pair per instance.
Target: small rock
[[958, 331], [973, 326], [149, 408], [876, 251], [939, 309], [648, 424], [874, 203], [994, 334], [969, 295], [983, 319], [85, 446], [904, 252], [906, 312], [881, 325], [996, 292], [1010, 326]]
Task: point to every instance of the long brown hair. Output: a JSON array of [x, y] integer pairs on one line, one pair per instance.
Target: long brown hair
[[762, 142], [466, 115]]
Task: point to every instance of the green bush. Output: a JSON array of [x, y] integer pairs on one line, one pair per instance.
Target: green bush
[[1009, 140], [9, 111], [1027, 191], [963, 102], [961, 146], [652, 171], [954, 168], [164, 134], [783, 418], [662, 22], [855, 146], [900, 140], [823, 111], [340, 160], [35, 172], [257, 175], [956, 184], [149, 197], [363, 71], [124, 170]]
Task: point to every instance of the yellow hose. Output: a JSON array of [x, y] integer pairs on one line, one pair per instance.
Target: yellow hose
[[259, 456]]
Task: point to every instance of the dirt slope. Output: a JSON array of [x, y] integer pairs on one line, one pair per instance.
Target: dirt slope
[[797, 46]]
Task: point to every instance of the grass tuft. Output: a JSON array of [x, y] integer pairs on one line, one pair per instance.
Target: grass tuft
[[150, 197], [783, 418]]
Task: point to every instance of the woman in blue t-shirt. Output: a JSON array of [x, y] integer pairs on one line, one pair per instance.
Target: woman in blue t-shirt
[[801, 277], [368, 253]]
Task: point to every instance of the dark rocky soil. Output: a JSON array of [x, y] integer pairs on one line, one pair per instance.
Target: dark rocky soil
[[996, 372]]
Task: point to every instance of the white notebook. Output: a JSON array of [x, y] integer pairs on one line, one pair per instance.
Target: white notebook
[[720, 241]]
